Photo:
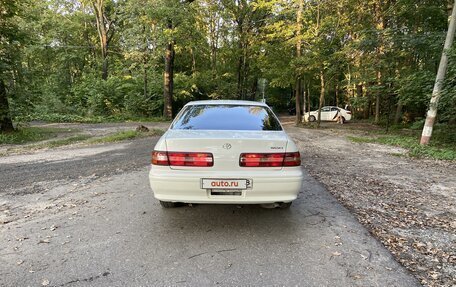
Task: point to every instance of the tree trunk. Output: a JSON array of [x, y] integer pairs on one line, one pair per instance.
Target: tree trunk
[[304, 97], [241, 60], [337, 95], [254, 89], [298, 88], [103, 28], [298, 101], [6, 124], [104, 73], [397, 116], [145, 76], [192, 52], [308, 97], [377, 109], [380, 51], [359, 93], [322, 96], [368, 106], [377, 99], [432, 112], [168, 81]]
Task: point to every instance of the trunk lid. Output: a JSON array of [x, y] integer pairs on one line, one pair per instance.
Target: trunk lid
[[226, 146]]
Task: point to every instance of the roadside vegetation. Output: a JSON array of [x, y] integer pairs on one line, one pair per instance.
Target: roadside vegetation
[[41, 138], [25, 135], [442, 147], [124, 135], [70, 118], [97, 61]]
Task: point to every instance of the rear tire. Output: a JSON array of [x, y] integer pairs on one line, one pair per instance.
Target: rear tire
[[168, 204], [312, 118], [285, 205]]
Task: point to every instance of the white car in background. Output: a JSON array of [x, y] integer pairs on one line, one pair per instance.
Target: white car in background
[[227, 152], [328, 113]]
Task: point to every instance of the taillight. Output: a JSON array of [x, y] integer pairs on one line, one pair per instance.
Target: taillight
[[292, 159], [270, 159], [182, 159], [348, 112], [160, 158]]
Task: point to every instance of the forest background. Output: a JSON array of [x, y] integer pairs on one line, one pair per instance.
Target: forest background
[[95, 60]]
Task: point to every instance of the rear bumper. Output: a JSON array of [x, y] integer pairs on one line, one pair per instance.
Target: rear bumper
[[185, 185]]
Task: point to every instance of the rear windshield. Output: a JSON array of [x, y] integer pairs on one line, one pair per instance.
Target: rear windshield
[[226, 117]]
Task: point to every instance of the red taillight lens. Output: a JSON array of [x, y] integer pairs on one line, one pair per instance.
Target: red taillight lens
[[160, 158], [292, 159], [270, 159], [190, 159], [182, 158], [261, 159]]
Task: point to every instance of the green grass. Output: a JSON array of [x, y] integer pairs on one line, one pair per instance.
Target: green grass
[[39, 134], [124, 135], [30, 134], [66, 141], [442, 146], [361, 139]]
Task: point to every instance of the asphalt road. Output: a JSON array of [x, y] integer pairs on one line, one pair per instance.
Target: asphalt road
[[87, 217], [71, 164]]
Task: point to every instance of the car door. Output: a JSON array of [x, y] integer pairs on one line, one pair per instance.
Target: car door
[[333, 114], [325, 113]]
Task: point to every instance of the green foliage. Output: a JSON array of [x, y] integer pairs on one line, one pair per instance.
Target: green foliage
[[70, 118], [417, 125], [447, 103], [52, 58], [29, 134], [415, 89]]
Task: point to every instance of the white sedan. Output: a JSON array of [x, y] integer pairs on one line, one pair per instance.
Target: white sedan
[[329, 113], [228, 152]]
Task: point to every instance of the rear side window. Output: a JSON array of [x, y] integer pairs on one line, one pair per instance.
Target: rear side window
[[226, 117]]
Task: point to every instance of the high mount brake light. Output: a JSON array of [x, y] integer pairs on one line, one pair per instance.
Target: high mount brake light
[[270, 159], [197, 159]]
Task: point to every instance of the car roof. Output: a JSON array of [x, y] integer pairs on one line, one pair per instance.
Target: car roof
[[227, 102]]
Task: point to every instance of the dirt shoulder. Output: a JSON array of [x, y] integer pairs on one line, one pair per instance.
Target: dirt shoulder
[[76, 134], [408, 204]]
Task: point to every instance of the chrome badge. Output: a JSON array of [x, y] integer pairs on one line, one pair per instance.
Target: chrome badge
[[226, 146]]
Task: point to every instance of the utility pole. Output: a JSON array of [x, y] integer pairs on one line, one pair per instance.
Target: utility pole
[[432, 112]]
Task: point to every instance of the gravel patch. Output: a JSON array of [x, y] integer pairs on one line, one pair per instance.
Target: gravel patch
[[407, 204]]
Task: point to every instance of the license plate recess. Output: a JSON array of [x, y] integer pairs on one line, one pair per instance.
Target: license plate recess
[[225, 184]]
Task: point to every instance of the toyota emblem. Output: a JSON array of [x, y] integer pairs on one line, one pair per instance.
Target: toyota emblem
[[227, 146]]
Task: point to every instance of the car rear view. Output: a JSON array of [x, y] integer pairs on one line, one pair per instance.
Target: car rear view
[[225, 152]]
